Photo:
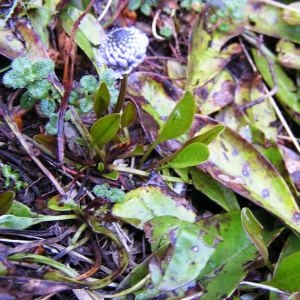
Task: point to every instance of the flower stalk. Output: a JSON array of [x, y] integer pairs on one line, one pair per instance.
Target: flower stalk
[[122, 94], [122, 50]]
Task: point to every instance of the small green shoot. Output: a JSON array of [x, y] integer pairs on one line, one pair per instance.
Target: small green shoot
[[178, 123]]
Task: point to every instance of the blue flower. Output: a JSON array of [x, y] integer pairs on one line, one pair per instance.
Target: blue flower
[[123, 49]]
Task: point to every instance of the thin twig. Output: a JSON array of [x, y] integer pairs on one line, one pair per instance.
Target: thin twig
[[141, 173], [34, 244], [28, 149], [154, 22], [108, 4], [68, 82]]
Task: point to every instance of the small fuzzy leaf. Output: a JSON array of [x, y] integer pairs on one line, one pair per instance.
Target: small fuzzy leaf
[[39, 89], [47, 106], [26, 101], [14, 79], [89, 83], [105, 129], [42, 68], [21, 63], [85, 105], [134, 4]]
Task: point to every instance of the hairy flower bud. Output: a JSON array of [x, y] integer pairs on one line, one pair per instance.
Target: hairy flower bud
[[123, 49]]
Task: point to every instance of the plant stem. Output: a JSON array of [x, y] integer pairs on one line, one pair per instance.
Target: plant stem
[[121, 98], [142, 173]]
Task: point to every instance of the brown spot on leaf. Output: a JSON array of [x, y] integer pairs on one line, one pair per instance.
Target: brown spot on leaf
[[201, 92], [225, 95]]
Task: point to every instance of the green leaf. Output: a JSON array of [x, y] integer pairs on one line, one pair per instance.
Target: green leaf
[[286, 275], [228, 264], [214, 190], [14, 79], [89, 83], [286, 88], [19, 216], [20, 223], [189, 256], [208, 135], [113, 175], [56, 203], [166, 31], [268, 20], [26, 101], [21, 210], [254, 231], [43, 260], [105, 129], [288, 262], [288, 54], [237, 164], [291, 14], [39, 89], [146, 9], [21, 63], [6, 200], [190, 155], [85, 105], [180, 119], [206, 57], [51, 126], [102, 99], [178, 122], [146, 202], [129, 114], [47, 106], [134, 4], [43, 68], [109, 193]]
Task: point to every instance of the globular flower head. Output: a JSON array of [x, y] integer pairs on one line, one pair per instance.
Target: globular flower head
[[123, 49]]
